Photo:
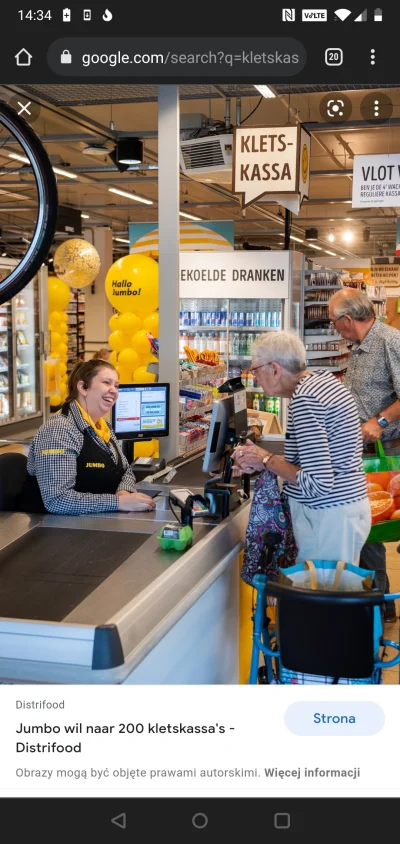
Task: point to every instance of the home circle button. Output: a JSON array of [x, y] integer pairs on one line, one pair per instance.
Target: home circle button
[[199, 820]]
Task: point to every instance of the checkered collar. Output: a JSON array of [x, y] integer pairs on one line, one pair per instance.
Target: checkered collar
[[366, 344]]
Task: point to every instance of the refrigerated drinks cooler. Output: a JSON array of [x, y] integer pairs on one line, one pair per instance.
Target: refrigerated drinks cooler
[[23, 334], [230, 326]]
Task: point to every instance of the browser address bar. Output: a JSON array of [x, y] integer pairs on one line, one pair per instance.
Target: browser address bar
[[177, 58]]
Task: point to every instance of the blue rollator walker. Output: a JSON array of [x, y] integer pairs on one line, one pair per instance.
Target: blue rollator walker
[[329, 636]]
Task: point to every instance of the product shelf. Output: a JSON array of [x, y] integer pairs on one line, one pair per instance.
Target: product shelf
[[323, 287], [312, 355]]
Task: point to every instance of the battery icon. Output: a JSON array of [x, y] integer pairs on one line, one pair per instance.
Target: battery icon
[[378, 16]]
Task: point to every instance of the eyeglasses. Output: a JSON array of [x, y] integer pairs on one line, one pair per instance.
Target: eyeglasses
[[334, 321], [260, 366]]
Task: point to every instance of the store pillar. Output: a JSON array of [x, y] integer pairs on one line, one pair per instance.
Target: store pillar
[[98, 309], [168, 249]]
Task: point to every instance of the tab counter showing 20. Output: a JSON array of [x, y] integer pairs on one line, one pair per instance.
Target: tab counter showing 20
[[34, 15]]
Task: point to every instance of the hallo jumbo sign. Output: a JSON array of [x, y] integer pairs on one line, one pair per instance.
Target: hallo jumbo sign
[[272, 161]]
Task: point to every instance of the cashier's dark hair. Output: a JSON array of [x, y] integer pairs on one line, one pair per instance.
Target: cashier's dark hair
[[85, 371]]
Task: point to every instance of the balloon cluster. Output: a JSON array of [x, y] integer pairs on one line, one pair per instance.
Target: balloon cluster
[[132, 289], [58, 300]]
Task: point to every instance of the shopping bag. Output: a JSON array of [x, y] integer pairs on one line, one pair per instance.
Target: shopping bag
[[383, 484], [330, 576], [269, 513]]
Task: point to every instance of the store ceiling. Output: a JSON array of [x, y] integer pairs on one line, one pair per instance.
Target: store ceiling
[[71, 116]]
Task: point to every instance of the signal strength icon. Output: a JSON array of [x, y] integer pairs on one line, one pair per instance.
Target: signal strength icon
[[362, 18], [342, 14]]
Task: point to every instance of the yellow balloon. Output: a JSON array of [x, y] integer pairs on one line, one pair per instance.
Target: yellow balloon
[[114, 358], [128, 358], [140, 342], [129, 323], [151, 324], [55, 339], [64, 379], [132, 285], [77, 262], [145, 359], [63, 369], [62, 349], [55, 318], [59, 294], [125, 374], [114, 322], [63, 391], [63, 328], [55, 401], [141, 376], [118, 341]]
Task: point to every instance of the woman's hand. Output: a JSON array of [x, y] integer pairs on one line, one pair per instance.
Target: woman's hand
[[250, 457], [134, 502]]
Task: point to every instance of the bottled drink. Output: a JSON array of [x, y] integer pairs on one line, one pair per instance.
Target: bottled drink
[[279, 320], [222, 344], [216, 346], [191, 341], [184, 342], [268, 321], [242, 344], [186, 318], [248, 320], [193, 317], [236, 345], [243, 377], [223, 319], [263, 319], [256, 319], [256, 402], [241, 319], [203, 342], [277, 405], [180, 318], [270, 405], [197, 341], [250, 379], [250, 341], [235, 317], [274, 322], [213, 318]]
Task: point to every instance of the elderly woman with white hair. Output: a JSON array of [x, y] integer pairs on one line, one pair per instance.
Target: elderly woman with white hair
[[322, 469]]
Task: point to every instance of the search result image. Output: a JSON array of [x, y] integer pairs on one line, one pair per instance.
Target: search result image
[[200, 460], [54, 746]]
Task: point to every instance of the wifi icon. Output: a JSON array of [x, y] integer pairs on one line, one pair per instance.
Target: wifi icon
[[342, 14]]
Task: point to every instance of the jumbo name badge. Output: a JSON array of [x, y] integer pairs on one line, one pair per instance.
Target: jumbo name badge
[[272, 161]]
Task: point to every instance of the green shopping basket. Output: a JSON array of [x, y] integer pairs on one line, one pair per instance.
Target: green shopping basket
[[383, 531]]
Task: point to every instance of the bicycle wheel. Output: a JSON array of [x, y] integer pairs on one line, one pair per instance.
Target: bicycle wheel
[[47, 204]]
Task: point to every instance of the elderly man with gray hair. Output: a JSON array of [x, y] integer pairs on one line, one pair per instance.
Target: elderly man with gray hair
[[322, 466], [373, 378]]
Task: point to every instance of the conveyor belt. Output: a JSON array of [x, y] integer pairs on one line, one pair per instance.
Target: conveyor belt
[[48, 572]]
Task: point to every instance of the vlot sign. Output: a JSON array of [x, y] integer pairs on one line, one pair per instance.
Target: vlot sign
[[376, 181], [272, 161]]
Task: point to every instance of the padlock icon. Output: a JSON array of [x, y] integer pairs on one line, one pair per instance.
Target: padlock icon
[[66, 57]]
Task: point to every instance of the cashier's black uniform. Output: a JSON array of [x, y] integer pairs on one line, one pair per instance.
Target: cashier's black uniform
[[72, 470]]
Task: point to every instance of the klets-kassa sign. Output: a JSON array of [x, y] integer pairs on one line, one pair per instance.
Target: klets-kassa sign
[[272, 161]]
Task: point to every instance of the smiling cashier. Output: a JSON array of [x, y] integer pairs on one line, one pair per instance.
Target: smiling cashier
[[75, 465]]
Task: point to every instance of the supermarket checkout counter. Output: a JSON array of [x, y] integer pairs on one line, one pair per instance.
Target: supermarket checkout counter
[[94, 599]]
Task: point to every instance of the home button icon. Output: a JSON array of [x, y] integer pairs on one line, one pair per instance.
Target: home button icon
[[200, 821]]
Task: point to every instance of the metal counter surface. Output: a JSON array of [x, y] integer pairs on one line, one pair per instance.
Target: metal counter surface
[[108, 633]]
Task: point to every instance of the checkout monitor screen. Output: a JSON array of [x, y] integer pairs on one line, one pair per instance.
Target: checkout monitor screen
[[141, 411]]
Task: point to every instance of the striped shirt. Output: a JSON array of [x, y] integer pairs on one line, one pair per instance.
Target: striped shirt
[[324, 438], [52, 460]]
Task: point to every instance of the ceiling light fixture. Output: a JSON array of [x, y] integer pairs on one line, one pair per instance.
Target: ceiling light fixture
[[311, 234], [348, 219], [121, 240], [298, 239], [85, 216], [331, 237], [95, 149], [129, 151], [19, 157], [266, 91], [314, 246], [61, 172], [348, 236], [331, 253], [189, 216], [132, 196]]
